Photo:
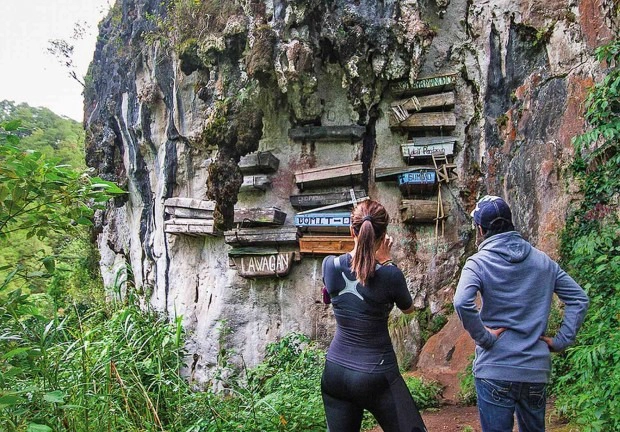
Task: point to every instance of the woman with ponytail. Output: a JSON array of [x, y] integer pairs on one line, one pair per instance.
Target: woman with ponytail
[[361, 371]]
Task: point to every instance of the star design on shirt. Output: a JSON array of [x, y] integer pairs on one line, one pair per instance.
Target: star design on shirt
[[350, 287]]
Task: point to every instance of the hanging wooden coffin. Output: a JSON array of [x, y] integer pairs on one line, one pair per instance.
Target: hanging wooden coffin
[[425, 121], [346, 174], [426, 85], [261, 236], [325, 245], [265, 264], [189, 208], [421, 181], [332, 222], [391, 173], [332, 133], [440, 101], [420, 211], [309, 201], [195, 227], [424, 147], [259, 162], [255, 183], [259, 216]]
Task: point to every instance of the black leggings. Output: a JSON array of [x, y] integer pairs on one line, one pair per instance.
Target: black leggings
[[346, 393]]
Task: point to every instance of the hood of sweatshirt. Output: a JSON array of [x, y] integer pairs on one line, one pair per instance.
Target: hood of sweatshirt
[[509, 245]]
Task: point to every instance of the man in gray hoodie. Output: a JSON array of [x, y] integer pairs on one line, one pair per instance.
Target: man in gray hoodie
[[517, 282]]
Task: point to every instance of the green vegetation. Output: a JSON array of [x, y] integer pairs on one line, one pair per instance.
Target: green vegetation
[[71, 361], [45, 204], [588, 377]]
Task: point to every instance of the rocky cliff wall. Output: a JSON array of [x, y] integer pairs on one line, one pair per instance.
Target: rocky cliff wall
[[179, 92]]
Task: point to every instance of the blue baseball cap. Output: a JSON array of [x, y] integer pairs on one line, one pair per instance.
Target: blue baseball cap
[[490, 209]]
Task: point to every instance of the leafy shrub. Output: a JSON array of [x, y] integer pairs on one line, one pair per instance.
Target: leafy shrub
[[427, 394], [467, 387], [587, 379]]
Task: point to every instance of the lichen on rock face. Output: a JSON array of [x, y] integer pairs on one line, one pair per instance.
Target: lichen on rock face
[[259, 60], [223, 184]]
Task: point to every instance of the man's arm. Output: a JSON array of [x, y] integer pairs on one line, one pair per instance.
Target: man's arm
[[465, 306], [575, 307]]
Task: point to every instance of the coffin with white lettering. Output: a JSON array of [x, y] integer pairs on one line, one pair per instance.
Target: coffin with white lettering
[[383, 174], [275, 264], [325, 245], [425, 147], [309, 201], [420, 181], [333, 222], [425, 85], [261, 236]]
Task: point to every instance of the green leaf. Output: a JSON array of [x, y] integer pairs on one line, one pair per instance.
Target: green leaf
[[9, 355], [50, 264], [35, 427], [55, 396], [10, 399]]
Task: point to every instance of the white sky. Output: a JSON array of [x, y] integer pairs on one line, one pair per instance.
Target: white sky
[[28, 73]]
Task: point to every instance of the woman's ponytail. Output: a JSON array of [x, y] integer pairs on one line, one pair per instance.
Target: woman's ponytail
[[369, 221]]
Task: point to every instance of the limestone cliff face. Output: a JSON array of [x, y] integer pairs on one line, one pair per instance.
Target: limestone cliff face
[[180, 91]]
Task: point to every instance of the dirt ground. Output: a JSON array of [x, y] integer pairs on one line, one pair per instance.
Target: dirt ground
[[455, 418]]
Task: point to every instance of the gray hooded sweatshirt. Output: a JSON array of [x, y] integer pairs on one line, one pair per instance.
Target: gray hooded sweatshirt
[[516, 282]]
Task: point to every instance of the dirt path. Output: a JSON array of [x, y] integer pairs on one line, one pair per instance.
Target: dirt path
[[455, 418]]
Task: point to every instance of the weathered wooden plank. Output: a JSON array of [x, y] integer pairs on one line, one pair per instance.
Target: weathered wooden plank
[[331, 175], [183, 212], [191, 203], [255, 182], [391, 173], [325, 245], [425, 85], [267, 265], [261, 236], [189, 221], [423, 181], [190, 229], [425, 121], [333, 133], [259, 216], [308, 201], [419, 103], [259, 162], [420, 211], [412, 150]]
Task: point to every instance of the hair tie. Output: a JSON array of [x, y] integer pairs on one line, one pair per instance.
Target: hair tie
[[367, 218]]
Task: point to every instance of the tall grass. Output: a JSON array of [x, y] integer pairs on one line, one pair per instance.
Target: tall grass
[[117, 368]]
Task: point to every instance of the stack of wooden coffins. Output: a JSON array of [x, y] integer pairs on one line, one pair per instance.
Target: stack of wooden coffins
[[256, 169], [425, 111], [327, 194], [261, 245], [189, 216]]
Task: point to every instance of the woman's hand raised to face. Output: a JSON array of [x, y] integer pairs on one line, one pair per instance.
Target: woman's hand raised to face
[[383, 252]]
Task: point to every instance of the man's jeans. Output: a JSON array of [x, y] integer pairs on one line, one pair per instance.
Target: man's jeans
[[498, 401]]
